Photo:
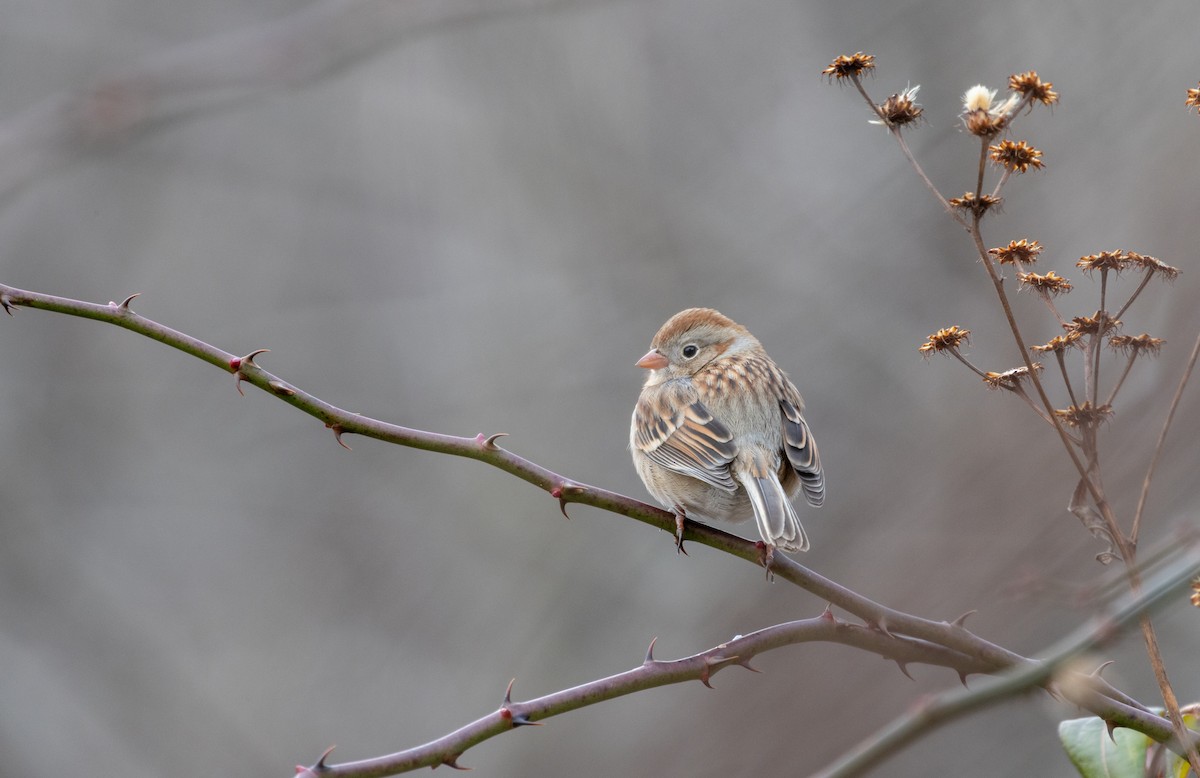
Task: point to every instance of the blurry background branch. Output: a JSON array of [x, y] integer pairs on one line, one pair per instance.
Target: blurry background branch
[[221, 71], [1054, 668]]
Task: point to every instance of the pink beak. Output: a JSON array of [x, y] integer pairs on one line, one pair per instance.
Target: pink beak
[[653, 360]]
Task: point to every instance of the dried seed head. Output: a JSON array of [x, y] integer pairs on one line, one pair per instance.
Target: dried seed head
[[1193, 99], [1021, 251], [948, 339], [1135, 345], [1196, 591], [1029, 85], [1051, 283], [1060, 343], [851, 66], [1099, 322], [1084, 415], [901, 109], [1115, 261], [1016, 156], [978, 98], [1009, 379], [977, 205], [983, 124], [1153, 265], [982, 116]]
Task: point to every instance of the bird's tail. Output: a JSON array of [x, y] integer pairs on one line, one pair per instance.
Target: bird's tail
[[777, 520]]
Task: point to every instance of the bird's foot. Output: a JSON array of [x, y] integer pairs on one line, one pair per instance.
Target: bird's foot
[[680, 522]]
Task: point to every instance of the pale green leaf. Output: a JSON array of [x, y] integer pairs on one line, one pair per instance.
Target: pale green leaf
[[1096, 755]]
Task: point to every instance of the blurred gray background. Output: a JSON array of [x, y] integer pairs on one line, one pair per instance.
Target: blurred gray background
[[472, 218]]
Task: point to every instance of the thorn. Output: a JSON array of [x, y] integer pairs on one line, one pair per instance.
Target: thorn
[[557, 493], [319, 767], [680, 526], [123, 306], [904, 669], [650, 651], [452, 761], [1111, 726], [746, 664], [518, 719], [827, 614], [281, 389], [337, 434], [705, 675], [881, 626], [249, 358], [712, 664], [962, 678], [1096, 673], [489, 443], [564, 493], [235, 365], [962, 619], [7, 303]]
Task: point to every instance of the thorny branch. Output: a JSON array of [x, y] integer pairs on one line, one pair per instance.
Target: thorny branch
[[906, 638], [651, 674]]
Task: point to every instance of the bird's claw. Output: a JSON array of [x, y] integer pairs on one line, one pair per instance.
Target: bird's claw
[[680, 523]]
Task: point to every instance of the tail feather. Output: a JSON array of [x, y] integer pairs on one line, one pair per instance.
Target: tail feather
[[777, 520]]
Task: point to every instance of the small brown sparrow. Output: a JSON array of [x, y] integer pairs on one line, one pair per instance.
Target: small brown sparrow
[[718, 432]]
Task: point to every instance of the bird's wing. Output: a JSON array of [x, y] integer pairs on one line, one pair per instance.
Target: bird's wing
[[801, 449], [675, 430]]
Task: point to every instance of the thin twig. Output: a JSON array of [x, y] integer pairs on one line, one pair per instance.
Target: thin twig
[[1162, 438], [983, 149], [1020, 392], [1096, 342], [904, 149], [1062, 366], [1112, 396], [1145, 280], [1000, 184], [954, 352], [1026, 359]]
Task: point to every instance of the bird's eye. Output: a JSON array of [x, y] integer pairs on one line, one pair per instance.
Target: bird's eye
[[690, 350]]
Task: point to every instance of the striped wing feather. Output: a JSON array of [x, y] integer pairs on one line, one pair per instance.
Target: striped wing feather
[[683, 436]]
